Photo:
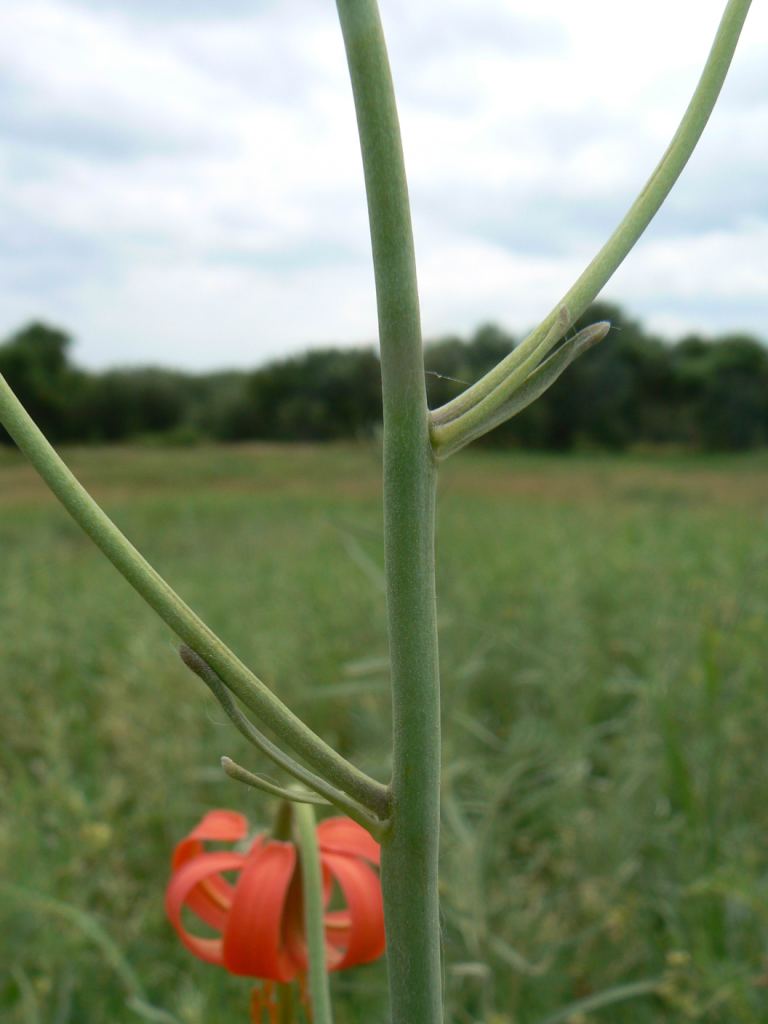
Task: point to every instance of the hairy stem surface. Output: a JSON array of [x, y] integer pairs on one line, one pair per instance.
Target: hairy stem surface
[[410, 849]]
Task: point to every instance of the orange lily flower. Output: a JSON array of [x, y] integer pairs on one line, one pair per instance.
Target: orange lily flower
[[260, 917]]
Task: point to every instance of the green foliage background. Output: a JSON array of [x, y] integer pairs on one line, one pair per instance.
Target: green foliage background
[[633, 389], [604, 651]]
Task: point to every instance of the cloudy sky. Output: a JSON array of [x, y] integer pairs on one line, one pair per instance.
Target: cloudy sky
[[180, 181]]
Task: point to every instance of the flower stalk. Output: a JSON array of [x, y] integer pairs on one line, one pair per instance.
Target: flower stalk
[[314, 914]]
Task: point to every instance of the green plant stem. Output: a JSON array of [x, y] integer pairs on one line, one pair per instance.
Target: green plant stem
[[637, 219], [410, 849], [314, 913], [282, 827], [176, 614]]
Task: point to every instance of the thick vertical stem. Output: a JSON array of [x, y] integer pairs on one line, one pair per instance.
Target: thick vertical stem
[[409, 858], [410, 850]]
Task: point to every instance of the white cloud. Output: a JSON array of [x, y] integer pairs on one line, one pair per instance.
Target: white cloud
[[183, 184]]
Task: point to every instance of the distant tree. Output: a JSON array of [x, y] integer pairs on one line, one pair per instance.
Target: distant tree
[[222, 409], [122, 404], [35, 362], [322, 395], [449, 368], [452, 363], [632, 388], [734, 398]]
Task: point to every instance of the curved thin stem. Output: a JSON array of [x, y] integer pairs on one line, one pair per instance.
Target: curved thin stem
[[175, 613], [637, 219], [314, 914], [243, 724]]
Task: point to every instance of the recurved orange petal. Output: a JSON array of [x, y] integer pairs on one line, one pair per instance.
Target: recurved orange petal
[[364, 933], [211, 899], [342, 835], [253, 939], [215, 826], [183, 884]]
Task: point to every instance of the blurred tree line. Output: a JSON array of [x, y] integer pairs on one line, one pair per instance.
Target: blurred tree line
[[633, 388]]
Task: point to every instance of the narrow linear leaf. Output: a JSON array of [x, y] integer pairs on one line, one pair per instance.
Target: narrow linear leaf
[[244, 725], [239, 774], [619, 994], [30, 1006], [91, 928], [460, 432]]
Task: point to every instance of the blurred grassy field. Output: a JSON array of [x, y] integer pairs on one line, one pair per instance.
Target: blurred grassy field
[[604, 650]]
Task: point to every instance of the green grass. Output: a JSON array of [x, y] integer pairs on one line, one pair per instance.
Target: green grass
[[604, 651]]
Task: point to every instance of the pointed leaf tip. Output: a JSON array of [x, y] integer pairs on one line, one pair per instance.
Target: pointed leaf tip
[[591, 335], [192, 660]]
